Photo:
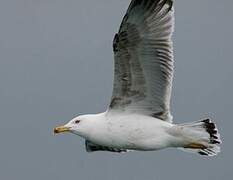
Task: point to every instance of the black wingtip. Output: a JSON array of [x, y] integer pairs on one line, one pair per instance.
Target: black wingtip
[[211, 128]]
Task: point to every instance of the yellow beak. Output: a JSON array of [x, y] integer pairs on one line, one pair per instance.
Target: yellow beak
[[61, 129]]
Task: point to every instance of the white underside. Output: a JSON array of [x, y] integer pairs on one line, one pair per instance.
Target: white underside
[[129, 131]]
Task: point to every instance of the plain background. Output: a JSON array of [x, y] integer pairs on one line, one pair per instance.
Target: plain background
[[56, 62]]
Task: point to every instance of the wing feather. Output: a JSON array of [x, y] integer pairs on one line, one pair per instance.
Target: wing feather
[[143, 54], [92, 147]]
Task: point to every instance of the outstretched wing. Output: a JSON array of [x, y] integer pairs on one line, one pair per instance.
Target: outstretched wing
[[144, 59]]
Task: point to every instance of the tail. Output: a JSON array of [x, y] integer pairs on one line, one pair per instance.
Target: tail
[[202, 137]]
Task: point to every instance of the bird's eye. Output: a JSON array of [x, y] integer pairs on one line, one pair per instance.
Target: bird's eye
[[77, 121]]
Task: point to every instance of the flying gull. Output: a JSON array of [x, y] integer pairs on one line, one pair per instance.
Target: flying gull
[[138, 117]]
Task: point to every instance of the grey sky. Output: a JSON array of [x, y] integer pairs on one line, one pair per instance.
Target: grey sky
[[56, 62]]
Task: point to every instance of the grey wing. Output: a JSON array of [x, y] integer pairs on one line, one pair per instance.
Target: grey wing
[[92, 147], [143, 54]]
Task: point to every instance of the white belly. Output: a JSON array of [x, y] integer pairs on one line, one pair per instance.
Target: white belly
[[133, 132]]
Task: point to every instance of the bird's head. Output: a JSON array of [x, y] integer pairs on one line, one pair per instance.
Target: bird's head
[[79, 125]]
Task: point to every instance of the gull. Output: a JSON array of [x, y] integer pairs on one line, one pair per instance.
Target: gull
[[138, 117]]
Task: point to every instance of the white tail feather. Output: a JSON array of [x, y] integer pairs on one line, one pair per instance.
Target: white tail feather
[[203, 137]]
